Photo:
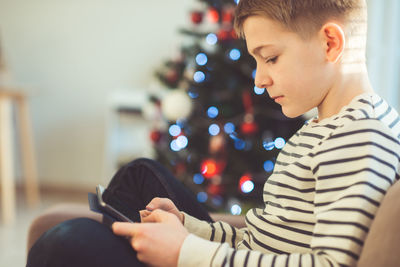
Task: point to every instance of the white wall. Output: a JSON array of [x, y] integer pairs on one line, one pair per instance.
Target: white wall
[[383, 53], [68, 56]]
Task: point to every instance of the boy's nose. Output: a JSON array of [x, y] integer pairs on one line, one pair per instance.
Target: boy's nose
[[262, 79]]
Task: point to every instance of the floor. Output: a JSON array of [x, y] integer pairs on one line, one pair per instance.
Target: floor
[[13, 237]]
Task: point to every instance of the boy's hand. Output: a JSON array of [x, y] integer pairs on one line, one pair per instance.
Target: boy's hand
[[157, 241], [162, 204]]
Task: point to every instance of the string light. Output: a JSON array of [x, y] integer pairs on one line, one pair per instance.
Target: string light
[[259, 91], [182, 141], [193, 94], [234, 54], [279, 142], [199, 76], [236, 209], [198, 178], [211, 39], [229, 127], [247, 187], [268, 145], [212, 112], [214, 129], [240, 144], [202, 197], [268, 166], [174, 130], [174, 146], [254, 73], [246, 184], [201, 59]]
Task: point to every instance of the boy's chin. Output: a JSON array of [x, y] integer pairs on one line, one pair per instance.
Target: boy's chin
[[290, 113]]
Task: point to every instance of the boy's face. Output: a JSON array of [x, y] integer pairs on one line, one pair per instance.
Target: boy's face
[[294, 71]]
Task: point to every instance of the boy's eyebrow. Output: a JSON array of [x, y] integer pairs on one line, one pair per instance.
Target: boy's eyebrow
[[256, 50]]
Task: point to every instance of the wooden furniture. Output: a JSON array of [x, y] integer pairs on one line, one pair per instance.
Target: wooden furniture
[[7, 148]]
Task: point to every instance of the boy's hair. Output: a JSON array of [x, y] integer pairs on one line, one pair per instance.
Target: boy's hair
[[306, 17]]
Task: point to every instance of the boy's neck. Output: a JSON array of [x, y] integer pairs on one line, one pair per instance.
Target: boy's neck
[[348, 84]]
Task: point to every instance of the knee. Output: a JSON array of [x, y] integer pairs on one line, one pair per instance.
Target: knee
[[70, 240], [141, 162]]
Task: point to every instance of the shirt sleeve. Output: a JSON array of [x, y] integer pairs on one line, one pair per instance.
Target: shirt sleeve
[[220, 232], [353, 169]]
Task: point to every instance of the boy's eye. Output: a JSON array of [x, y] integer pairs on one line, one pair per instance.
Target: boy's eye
[[272, 60]]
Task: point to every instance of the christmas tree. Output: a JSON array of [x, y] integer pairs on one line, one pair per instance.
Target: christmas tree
[[217, 132]]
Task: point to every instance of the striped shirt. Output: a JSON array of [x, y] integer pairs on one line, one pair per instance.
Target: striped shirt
[[326, 187]]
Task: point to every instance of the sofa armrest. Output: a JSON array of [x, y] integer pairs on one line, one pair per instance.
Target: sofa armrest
[[55, 215]]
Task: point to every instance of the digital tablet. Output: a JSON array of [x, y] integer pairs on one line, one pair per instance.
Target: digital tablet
[[108, 209]]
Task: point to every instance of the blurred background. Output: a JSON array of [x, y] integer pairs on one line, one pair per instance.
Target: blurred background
[[100, 76]]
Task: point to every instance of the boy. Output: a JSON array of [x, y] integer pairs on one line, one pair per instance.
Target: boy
[[332, 174]]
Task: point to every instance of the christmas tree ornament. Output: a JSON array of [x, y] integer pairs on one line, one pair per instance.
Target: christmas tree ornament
[[249, 126], [209, 168], [217, 144], [227, 16], [224, 35], [176, 105], [155, 136], [196, 17], [213, 15]]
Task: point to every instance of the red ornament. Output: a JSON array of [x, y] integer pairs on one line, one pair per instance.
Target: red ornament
[[249, 128], [213, 15], [155, 136], [227, 17], [234, 34], [224, 35], [215, 189], [197, 17], [209, 168]]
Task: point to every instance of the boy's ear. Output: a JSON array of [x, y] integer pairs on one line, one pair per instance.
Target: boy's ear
[[334, 41]]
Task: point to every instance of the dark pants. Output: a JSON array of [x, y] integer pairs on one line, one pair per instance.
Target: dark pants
[[85, 242]]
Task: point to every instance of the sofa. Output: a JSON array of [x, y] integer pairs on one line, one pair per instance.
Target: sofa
[[381, 247]]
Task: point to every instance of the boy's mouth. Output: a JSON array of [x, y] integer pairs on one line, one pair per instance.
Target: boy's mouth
[[277, 99]]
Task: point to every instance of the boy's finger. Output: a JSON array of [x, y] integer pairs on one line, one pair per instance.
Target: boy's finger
[[154, 204], [157, 216], [124, 228], [144, 213], [158, 203]]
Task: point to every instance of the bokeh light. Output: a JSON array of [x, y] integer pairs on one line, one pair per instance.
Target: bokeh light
[[235, 54], [212, 112], [201, 59], [199, 76], [236, 209], [211, 39], [214, 129]]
